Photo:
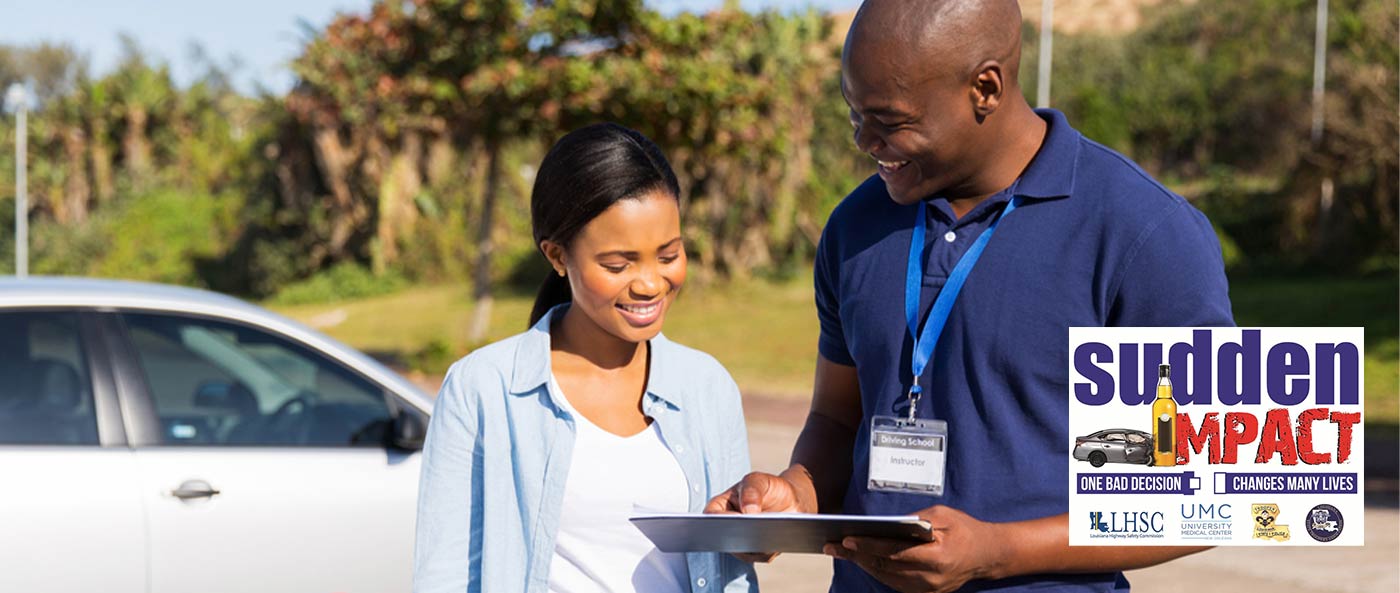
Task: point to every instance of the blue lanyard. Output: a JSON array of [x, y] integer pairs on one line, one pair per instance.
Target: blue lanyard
[[943, 305]]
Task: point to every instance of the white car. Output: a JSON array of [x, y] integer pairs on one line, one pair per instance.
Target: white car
[[156, 439]]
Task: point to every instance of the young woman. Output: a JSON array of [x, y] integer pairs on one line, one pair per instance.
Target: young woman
[[542, 445]]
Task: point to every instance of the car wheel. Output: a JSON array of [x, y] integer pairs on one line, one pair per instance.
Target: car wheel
[[1097, 459]]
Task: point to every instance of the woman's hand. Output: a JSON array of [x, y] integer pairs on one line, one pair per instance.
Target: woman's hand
[[758, 492], [962, 549]]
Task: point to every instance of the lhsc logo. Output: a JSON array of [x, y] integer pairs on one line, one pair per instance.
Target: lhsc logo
[[1096, 522], [1127, 524]]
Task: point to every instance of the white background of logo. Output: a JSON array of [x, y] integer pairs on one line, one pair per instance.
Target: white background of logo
[[1294, 508]]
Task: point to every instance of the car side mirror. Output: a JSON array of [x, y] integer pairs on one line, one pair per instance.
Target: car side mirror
[[409, 430]]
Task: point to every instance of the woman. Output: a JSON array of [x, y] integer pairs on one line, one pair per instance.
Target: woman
[[542, 445]]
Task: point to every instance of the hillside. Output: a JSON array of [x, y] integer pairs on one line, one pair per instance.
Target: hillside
[[1112, 17], [1093, 16]]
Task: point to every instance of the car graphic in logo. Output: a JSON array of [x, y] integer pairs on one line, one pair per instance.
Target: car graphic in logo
[[1115, 445]]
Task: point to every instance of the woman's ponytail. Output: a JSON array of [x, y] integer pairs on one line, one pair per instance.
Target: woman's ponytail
[[554, 291]]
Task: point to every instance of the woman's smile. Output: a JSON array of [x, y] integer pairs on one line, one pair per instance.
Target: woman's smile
[[640, 315]]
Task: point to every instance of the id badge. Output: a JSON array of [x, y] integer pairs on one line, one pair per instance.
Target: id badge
[[907, 455]]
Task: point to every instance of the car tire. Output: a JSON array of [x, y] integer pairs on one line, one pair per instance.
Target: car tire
[[1097, 459]]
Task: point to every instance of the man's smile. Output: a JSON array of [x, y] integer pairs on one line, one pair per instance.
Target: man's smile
[[891, 166]]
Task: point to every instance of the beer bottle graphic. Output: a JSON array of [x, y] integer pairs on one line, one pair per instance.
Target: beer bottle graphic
[[1164, 420]]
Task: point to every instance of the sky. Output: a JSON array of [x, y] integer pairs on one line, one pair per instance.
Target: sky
[[259, 36]]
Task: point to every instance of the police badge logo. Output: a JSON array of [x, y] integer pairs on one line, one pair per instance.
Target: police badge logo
[[1324, 523], [1266, 524]]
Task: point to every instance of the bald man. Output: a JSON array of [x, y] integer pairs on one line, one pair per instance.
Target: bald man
[[925, 314]]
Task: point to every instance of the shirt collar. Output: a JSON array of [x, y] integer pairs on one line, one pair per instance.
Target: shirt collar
[[532, 363], [1051, 173]]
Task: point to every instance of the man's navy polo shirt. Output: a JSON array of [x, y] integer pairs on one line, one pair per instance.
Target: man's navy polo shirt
[[1095, 242]]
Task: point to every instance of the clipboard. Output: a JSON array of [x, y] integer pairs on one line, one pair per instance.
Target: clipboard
[[802, 533]]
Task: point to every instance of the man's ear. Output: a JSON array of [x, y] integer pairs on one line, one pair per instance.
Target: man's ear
[[554, 252], [987, 88]]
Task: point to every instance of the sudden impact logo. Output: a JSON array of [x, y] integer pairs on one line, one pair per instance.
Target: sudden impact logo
[[1197, 427]]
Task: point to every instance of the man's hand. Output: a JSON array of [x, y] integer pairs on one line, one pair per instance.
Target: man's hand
[[758, 492], [962, 549]]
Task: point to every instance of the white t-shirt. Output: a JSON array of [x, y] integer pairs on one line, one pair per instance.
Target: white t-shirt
[[610, 479]]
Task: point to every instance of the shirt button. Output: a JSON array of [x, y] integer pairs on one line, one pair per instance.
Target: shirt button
[[700, 582], [695, 487], [950, 236], [680, 448]]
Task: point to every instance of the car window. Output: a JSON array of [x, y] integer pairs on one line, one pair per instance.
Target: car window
[[45, 384], [216, 383], [1136, 439], [1114, 436]]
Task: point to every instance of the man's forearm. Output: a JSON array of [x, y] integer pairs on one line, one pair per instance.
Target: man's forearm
[[1041, 546], [821, 464]]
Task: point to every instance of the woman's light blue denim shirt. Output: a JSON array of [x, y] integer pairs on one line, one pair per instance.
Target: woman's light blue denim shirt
[[498, 451]]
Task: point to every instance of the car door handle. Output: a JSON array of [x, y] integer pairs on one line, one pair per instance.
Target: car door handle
[[194, 489]]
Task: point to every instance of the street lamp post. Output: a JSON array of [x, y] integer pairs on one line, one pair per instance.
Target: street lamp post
[[1319, 111], [17, 100], [1047, 40], [1319, 71]]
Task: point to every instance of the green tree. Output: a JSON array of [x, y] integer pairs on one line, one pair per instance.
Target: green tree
[[478, 72], [732, 97], [1216, 97]]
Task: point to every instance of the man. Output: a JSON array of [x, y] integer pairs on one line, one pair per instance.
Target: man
[[1092, 241]]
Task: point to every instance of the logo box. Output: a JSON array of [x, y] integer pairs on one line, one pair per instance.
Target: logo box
[[1265, 447]]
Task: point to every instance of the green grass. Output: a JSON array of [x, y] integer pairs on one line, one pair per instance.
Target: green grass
[[405, 322], [1372, 303], [765, 333]]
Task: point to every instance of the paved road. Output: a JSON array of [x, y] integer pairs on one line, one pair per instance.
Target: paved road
[[1375, 567]]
